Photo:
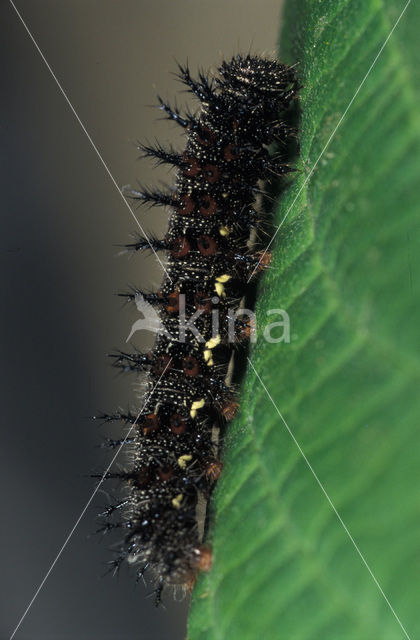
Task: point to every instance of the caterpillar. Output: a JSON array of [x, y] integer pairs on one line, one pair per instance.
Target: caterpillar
[[173, 457]]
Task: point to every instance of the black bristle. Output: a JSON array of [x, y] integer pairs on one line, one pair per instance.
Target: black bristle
[[126, 418], [151, 298], [173, 114], [130, 361], [162, 155], [154, 244], [202, 89], [152, 198]]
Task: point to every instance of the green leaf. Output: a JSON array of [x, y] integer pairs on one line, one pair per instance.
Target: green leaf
[[346, 268]]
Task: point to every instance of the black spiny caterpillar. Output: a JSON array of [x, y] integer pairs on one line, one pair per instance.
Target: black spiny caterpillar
[[210, 258]]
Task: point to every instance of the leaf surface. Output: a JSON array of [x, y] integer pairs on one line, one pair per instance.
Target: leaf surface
[[346, 266]]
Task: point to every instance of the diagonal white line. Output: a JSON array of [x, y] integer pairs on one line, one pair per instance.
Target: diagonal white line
[[73, 529], [89, 137], [330, 138], [329, 499]]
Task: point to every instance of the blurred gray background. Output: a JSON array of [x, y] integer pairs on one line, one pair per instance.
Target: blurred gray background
[[61, 216]]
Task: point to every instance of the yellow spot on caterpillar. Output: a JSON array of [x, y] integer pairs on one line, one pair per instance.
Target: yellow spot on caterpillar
[[182, 460], [220, 290], [224, 278], [224, 231], [198, 404], [176, 502], [213, 342], [208, 357]]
